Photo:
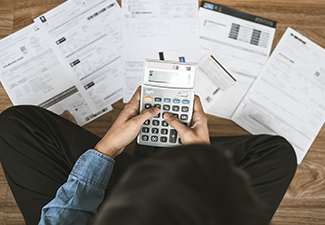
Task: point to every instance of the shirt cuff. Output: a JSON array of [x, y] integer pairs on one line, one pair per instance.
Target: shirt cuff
[[93, 168]]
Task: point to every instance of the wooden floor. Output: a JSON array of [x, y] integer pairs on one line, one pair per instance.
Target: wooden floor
[[304, 202]]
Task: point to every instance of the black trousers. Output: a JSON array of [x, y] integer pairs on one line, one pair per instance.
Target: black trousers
[[38, 150]]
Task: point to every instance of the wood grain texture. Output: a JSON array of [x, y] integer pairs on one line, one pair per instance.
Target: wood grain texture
[[304, 202]]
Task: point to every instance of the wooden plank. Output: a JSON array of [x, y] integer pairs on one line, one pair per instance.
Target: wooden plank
[[6, 17], [22, 15]]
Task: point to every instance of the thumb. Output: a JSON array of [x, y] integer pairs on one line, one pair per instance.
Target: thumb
[[146, 114]]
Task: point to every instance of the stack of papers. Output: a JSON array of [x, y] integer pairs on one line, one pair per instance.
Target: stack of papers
[[288, 96], [240, 41], [70, 58], [153, 26]]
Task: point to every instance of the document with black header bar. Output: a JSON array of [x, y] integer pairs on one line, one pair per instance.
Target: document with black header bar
[[241, 42]]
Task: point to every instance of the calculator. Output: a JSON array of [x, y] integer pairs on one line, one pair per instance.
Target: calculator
[[168, 85]]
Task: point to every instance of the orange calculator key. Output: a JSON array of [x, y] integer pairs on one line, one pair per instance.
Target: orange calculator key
[[148, 99]]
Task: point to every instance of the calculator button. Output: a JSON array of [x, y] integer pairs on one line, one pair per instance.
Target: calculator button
[[145, 138], [185, 124], [155, 122], [179, 141], [147, 106], [173, 136], [163, 139], [167, 100], [154, 130], [148, 99], [166, 107], [154, 138], [184, 117], [157, 99], [164, 131], [176, 115], [157, 105], [164, 124], [176, 101], [175, 108], [184, 109], [157, 116], [186, 101], [147, 122], [145, 129]]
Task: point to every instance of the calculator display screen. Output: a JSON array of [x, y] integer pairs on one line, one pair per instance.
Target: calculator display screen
[[169, 77]]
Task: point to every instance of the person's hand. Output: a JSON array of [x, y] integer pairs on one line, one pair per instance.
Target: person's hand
[[67, 115], [198, 133], [125, 128]]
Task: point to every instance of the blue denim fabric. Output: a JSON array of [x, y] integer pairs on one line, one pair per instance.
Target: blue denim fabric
[[77, 200]]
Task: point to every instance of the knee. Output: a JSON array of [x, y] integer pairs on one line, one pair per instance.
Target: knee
[[12, 118], [285, 154]]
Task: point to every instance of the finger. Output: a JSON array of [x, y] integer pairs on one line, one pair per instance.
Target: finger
[[145, 115], [136, 95], [198, 112], [198, 105], [176, 123], [133, 106]]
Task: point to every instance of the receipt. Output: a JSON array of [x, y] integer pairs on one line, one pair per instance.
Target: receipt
[[87, 38], [153, 26], [288, 97], [31, 74], [212, 81]]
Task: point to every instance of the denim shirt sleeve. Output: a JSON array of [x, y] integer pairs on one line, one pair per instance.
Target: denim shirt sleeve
[[77, 200]]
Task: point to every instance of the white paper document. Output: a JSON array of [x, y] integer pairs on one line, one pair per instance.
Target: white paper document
[[87, 38], [242, 42], [31, 74], [153, 26], [288, 97], [212, 80]]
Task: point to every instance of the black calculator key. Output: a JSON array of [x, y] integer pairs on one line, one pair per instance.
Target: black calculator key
[[157, 105], [176, 115], [179, 141], [164, 131], [185, 124], [145, 138], [184, 117], [175, 108], [157, 99], [166, 107], [154, 138], [173, 136], [157, 116], [184, 109], [164, 124], [145, 129], [163, 139], [147, 122], [147, 106], [154, 130], [155, 122]]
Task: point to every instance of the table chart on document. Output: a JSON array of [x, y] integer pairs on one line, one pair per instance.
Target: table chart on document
[[249, 35]]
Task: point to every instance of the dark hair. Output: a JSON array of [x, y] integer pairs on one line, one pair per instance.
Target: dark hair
[[195, 184]]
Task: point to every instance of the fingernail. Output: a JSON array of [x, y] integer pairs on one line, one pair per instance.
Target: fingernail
[[166, 116], [156, 110]]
